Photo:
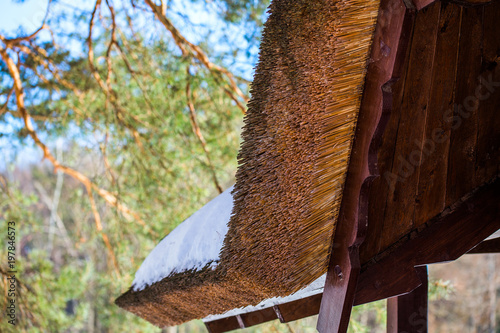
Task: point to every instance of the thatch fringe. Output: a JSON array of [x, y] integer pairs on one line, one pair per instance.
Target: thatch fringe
[[189, 295]]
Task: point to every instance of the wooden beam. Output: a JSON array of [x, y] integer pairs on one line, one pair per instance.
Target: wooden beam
[[471, 2], [254, 318], [338, 295], [408, 313], [421, 4], [417, 4], [222, 325], [488, 246], [299, 309], [344, 266], [447, 237]]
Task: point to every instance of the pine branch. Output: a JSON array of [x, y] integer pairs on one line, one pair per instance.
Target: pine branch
[[13, 41], [199, 135], [190, 49], [110, 198]]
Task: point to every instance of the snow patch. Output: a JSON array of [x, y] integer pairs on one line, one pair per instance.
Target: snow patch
[[195, 243], [316, 287]]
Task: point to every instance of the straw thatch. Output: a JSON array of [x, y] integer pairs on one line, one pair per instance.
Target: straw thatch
[[297, 139], [292, 164], [190, 295]]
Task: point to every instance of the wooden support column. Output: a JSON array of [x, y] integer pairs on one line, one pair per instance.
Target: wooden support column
[[344, 266], [408, 313]]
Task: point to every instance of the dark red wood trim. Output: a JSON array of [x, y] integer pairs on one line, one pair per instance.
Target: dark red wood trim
[[417, 4], [222, 325], [445, 238], [420, 4], [471, 2], [409, 312], [488, 246], [300, 308], [344, 267]]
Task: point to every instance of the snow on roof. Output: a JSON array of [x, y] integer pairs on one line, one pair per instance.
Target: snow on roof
[[313, 289], [195, 243]]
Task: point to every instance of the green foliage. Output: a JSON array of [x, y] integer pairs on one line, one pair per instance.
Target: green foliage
[[242, 10], [440, 289]]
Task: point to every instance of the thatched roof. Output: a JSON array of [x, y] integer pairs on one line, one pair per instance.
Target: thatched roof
[[297, 141]]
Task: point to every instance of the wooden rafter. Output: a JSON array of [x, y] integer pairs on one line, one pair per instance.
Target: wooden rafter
[[488, 246]]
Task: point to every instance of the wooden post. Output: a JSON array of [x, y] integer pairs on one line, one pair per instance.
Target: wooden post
[[344, 266], [340, 288], [408, 313]]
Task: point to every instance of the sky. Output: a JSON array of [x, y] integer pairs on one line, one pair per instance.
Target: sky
[[28, 14], [23, 18]]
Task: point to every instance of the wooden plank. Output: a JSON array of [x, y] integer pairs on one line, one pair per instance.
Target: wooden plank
[[255, 318], [420, 4], [340, 287], [392, 103], [488, 246], [400, 208], [248, 319], [344, 263], [471, 2], [409, 312], [464, 119], [223, 325], [488, 94], [299, 309], [435, 141], [448, 236]]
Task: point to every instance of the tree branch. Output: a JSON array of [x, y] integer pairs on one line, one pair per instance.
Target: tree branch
[[190, 49], [46, 63], [12, 41], [60, 224], [98, 224], [110, 48], [90, 53], [107, 196], [3, 109], [199, 135]]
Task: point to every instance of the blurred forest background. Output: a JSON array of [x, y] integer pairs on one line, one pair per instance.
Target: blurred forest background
[[118, 120]]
